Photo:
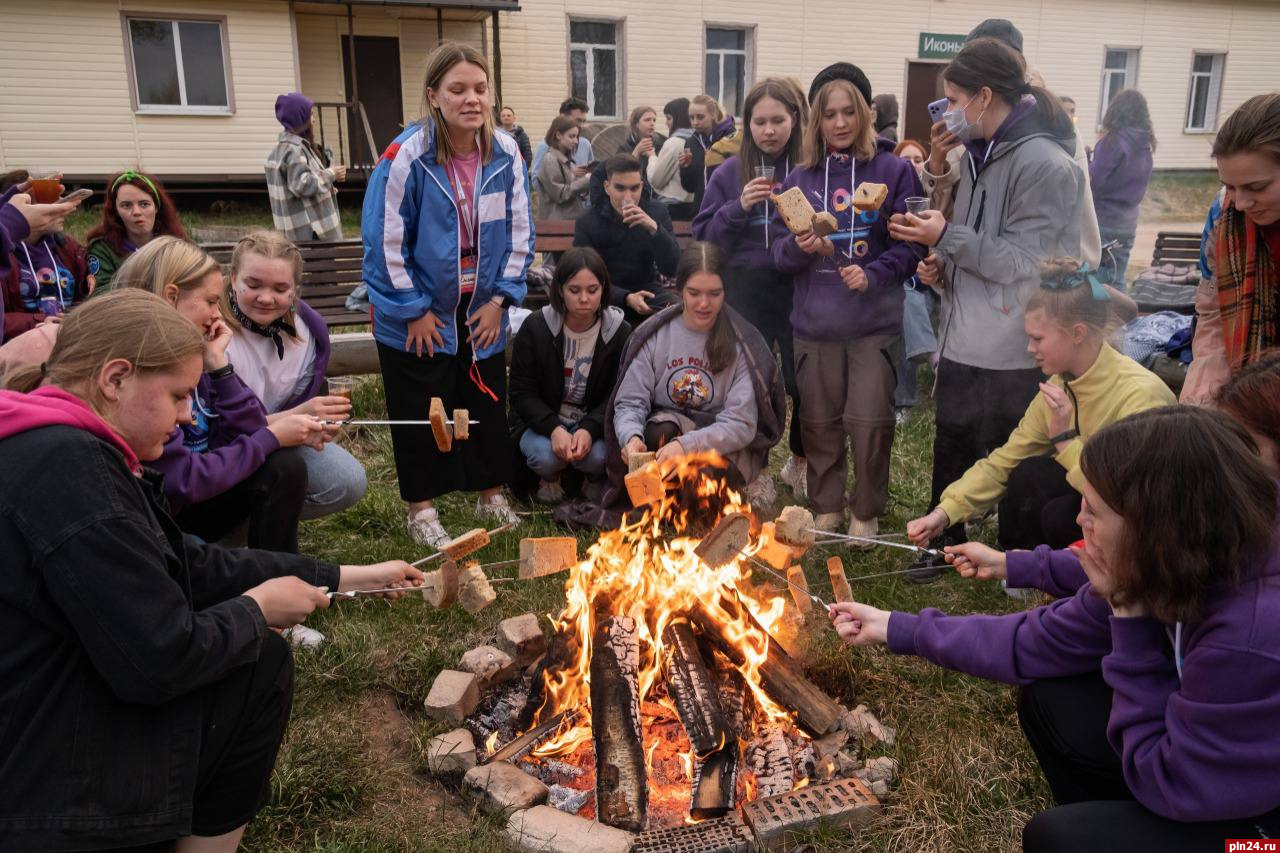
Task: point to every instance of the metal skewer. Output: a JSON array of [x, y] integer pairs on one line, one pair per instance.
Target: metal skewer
[[384, 423], [352, 593], [830, 537], [763, 565], [494, 532]]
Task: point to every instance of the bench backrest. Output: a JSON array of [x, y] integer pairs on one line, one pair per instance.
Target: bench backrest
[[1176, 247], [556, 235]]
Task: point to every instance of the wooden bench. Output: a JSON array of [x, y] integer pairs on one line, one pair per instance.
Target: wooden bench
[[556, 235], [1176, 247]]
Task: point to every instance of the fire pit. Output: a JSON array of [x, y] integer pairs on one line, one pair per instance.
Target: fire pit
[[661, 706]]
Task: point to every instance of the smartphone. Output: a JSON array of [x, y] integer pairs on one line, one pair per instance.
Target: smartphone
[[936, 109], [76, 195]]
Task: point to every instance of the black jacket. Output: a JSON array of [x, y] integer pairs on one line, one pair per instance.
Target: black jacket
[[535, 388], [522, 142], [633, 256], [113, 633]]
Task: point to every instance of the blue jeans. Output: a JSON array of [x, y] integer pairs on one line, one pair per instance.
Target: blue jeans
[[543, 461], [918, 340], [1114, 273], [335, 480]]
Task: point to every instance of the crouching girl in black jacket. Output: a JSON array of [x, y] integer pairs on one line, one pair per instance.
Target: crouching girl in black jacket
[[563, 367], [143, 695]]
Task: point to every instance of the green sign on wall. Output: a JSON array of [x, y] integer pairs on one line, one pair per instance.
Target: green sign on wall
[[940, 45]]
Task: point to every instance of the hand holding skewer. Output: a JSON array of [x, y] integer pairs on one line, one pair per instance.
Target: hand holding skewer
[[859, 624]]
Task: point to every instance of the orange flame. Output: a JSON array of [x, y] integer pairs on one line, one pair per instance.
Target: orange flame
[[652, 578]]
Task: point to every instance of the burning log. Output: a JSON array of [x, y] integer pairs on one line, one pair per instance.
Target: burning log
[[782, 678], [622, 790], [769, 757], [690, 686], [715, 779], [536, 735], [562, 649]]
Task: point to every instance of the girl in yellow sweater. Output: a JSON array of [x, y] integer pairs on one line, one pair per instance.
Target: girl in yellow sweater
[[1033, 476]]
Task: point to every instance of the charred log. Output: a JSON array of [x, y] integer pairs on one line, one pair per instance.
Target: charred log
[[715, 779], [769, 758], [691, 689], [622, 790]]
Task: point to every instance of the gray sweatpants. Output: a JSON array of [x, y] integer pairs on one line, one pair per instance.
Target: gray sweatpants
[[846, 388]]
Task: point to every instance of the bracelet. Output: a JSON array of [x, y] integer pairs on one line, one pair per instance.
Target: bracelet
[[222, 372], [1064, 436]]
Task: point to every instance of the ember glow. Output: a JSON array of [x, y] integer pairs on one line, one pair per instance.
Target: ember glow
[[648, 571]]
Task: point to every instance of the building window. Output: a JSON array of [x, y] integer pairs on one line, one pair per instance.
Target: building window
[[1119, 72], [1202, 95], [727, 71], [594, 65], [179, 65]]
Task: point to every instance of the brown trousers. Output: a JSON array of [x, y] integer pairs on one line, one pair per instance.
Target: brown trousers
[[846, 387]]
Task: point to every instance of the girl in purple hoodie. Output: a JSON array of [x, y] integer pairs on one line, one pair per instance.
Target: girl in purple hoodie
[[737, 216], [847, 311], [1151, 694]]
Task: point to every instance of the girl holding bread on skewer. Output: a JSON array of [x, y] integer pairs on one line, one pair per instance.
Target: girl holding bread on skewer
[[737, 216], [847, 310], [1150, 694], [448, 238]]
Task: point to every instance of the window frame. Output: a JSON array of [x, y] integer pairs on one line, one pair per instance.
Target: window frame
[[1213, 99], [619, 80], [748, 61], [172, 18], [1132, 64]]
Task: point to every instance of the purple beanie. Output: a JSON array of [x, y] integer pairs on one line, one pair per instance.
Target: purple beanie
[[293, 111]]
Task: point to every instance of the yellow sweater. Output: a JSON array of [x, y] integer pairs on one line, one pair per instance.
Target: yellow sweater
[[1115, 387]]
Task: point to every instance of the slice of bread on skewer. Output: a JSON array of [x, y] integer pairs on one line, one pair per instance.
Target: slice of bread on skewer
[[869, 196], [795, 210]]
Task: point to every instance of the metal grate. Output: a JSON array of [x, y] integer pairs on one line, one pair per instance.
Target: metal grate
[[845, 802], [726, 834]]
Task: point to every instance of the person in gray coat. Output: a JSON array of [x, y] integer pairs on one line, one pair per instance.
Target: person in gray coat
[[562, 187], [1017, 204]]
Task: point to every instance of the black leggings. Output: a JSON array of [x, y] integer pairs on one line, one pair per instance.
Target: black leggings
[[1039, 507], [1065, 721], [246, 715], [270, 499], [764, 298]]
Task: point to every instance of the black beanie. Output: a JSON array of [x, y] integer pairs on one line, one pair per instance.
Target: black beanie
[[999, 29], [841, 71]]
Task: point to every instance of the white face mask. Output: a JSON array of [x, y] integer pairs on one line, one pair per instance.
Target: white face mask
[[958, 123]]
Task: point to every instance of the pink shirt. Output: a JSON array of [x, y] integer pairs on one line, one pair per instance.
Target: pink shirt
[[462, 171]]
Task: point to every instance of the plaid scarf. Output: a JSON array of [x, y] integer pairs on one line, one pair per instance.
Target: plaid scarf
[[1247, 285]]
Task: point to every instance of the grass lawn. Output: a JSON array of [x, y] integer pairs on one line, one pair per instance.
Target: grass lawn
[[351, 774]]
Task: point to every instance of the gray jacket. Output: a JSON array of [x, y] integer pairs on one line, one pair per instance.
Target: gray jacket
[[560, 194], [1024, 209]]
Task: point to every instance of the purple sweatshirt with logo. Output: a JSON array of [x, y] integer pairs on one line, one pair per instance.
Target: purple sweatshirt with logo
[[825, 309], [744, 236], [1119, 172], [1197, 747]]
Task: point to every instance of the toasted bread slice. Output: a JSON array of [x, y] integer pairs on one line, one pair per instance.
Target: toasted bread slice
[[869, 196], [795, 210], [824, 223]]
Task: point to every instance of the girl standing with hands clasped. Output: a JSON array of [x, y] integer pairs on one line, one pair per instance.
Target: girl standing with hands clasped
[[145, 694], [737, 216], [227, 464], [1018, 202], [280, 349], [1150, 694], [848, 300], [448, 238]]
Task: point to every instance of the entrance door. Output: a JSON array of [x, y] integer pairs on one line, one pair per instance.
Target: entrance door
[[924, 85], [378, 70]]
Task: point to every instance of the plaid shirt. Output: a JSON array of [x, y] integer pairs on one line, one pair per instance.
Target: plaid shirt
[[303, 200]]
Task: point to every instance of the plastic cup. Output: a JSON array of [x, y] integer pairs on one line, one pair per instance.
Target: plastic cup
[[765, 172], [342, 386], [46, 188], [917, 204]]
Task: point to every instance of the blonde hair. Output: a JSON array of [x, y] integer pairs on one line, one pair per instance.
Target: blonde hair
[[439, 63], [864, 142], [129, 324], [1070, 306], [712, 105], [165, 260], [271, 245]]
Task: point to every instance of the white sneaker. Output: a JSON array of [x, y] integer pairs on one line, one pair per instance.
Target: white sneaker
[[425, 529], [761, 492], [303, 637], [828, 521], [549, 492], [497, 509], [796, 475], [857, 527]]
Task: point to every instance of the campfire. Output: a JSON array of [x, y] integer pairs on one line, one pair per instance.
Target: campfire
[[663, 702]]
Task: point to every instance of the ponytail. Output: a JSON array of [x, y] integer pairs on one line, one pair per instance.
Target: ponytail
[[24, 378]]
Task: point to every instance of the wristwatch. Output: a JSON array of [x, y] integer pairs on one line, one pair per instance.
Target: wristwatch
[[1064, 436], [224, 371]]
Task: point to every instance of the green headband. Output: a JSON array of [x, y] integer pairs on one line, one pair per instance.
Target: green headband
[[136, 176], [1084, 275]]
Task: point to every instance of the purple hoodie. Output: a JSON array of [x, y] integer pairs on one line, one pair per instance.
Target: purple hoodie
[[1119, 172], [228, 441], [825, 309], [745, 237], [13, 230], [1198, 745], [320, 334]]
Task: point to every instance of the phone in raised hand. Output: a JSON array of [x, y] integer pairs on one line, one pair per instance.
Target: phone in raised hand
[[76, 195], [937, 109]]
